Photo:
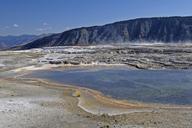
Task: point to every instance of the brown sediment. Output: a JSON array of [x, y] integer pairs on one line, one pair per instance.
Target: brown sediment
[[98, 96], [93, 93], [116, 113], [110, 101], [68, 104]]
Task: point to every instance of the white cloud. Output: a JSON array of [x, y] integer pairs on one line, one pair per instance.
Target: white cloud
[[43, 29], [45, 24], [15, 25], [11, 26]]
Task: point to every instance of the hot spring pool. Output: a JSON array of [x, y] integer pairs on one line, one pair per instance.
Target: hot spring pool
[[153, 86]]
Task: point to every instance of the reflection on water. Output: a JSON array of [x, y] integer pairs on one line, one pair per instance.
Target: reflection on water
[[157, 86]]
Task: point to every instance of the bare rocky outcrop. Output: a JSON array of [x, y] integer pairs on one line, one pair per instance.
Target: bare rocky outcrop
[[160, 29]]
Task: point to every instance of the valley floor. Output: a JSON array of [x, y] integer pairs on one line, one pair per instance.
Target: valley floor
[[34, 103]]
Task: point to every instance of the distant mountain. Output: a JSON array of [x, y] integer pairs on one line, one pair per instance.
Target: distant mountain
[[11, 41], [159, 29]]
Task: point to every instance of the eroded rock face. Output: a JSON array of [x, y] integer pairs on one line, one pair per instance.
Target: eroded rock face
[[162, 29]]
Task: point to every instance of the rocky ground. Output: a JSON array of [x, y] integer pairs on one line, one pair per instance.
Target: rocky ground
[[31, 104], [26, 106], [136, 56], [159, 56]]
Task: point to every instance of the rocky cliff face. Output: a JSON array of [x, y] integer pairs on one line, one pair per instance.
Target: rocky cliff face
[[162, 29]]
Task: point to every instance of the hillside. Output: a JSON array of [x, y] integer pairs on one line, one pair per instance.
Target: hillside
[[159, 29]]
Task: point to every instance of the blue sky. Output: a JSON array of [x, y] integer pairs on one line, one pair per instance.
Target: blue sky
[[52, 16]]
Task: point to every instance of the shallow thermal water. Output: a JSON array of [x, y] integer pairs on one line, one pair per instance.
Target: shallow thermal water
[[155, 86]]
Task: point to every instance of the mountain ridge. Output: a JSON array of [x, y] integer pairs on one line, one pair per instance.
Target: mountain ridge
[[155, 29], [14, 40]]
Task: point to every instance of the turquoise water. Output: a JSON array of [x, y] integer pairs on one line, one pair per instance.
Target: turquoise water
[[153, 86]]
